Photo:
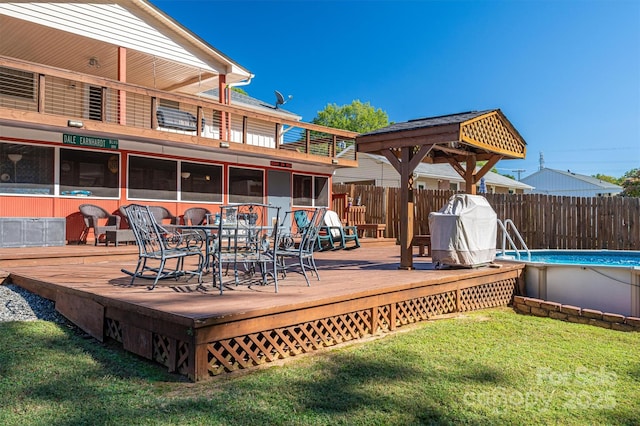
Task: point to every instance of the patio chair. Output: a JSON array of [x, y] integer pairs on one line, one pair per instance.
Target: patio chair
[[161, 214], [99, 220], [247, 237], [334, 235], [155, 243], [195, 216], [300, 246]]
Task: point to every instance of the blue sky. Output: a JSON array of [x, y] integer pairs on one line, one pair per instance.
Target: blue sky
[[565, 73]]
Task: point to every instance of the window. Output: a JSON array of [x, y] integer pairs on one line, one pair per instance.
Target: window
[[84, 173], [201, 182], [17, 83], [302, 190], [310, 191], [321, 191], [152, 178], [26, 169], [95, 103], [168, 104], [246, 185]]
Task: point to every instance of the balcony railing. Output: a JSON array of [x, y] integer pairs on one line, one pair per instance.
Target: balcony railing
[[53, 92]]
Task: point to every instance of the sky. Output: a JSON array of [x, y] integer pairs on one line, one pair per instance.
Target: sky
[[566, 73]]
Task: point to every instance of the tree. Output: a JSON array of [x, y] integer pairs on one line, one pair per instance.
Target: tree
[[631, 183], [239, 90], [356, 117], [610, 179]]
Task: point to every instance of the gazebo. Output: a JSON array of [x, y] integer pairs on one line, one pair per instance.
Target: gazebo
[[458, 139]]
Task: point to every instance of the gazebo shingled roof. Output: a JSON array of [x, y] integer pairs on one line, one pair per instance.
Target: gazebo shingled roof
[[458, 139], [482, 133]]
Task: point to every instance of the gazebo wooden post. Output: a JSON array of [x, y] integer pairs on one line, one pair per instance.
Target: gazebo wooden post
[[406, 210], [469, 176]]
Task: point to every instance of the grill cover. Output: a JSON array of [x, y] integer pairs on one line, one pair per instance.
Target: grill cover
[[464, 232]]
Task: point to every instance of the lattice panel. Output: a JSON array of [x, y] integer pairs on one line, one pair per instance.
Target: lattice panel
[[161, 349], [489, 295], [113, 329], [383, 322], [492, 133], [423, 308], [259, 348], [162, 353], [182, 365], [255, 349]]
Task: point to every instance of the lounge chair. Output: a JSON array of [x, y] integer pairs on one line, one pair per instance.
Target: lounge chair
[[99, 220], [334, 235]]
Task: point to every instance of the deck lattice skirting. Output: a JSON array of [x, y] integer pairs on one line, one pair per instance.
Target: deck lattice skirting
[[257, 348], [203, 355]]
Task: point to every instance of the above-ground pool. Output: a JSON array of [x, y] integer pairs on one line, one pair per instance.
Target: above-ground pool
[[605, 280]]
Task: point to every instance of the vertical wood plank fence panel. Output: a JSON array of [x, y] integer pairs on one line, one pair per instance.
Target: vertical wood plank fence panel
[[544, 221]]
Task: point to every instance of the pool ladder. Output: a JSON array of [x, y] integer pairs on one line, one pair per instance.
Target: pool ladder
[[508, 224]]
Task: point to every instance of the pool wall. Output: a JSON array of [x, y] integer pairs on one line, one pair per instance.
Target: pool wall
[[608, 289]]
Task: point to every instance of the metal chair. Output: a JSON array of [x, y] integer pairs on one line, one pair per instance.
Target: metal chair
[[99, 220], [196, 216], [156, 243], [334, 235], [300, 244], [247, 237]]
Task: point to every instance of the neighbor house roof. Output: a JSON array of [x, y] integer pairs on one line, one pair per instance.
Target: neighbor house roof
[[248, 101], [599, 183]]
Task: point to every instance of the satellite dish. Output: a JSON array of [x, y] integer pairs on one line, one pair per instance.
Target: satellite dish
[[280, 99]]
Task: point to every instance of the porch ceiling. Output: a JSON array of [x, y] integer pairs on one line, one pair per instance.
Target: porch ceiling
[[43, 44], [480, 133]]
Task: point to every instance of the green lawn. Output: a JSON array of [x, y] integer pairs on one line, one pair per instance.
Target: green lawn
[[486, 367]]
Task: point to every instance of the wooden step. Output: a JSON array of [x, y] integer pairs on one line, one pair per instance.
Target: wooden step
[[68, 254]]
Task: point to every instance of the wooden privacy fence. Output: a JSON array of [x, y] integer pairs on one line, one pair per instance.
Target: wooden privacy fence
[[544, 221]]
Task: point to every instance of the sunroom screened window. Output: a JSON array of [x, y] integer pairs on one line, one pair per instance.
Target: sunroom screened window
[[26, 169], [246, 185], [310, 191], [201, 182], [153, 178], [89, 173]]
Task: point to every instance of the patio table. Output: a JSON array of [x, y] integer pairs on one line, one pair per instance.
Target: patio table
[[210, 233]]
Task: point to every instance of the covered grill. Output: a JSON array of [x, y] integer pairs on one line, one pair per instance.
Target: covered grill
[[463, 232]]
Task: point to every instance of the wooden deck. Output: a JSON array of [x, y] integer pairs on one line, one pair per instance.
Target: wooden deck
[[202, 333]]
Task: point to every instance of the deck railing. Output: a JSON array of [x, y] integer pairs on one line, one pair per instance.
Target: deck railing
[[53, 92]]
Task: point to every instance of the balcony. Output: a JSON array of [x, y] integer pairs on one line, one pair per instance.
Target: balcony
[[42, 97]]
